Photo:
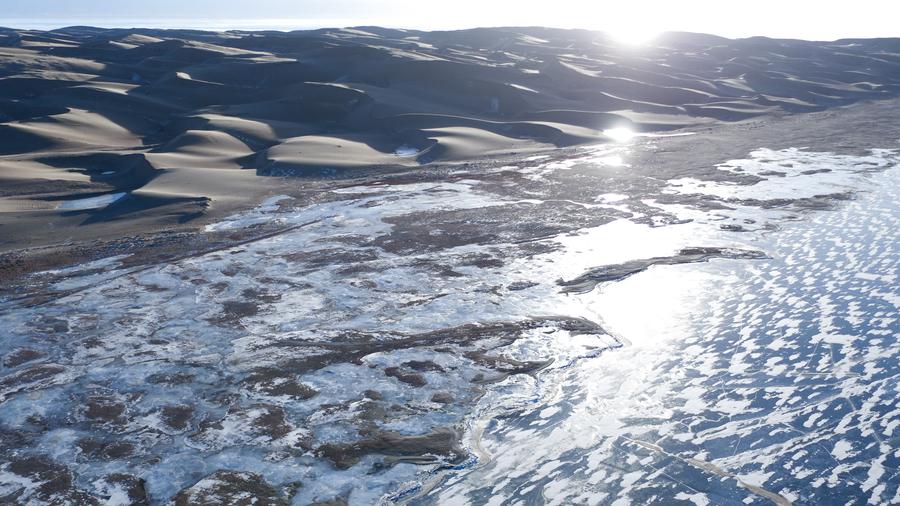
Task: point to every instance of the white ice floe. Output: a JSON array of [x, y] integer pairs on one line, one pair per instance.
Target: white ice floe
[[261, 214], [608, 198], [85, 204], [406, 150], [790, 174]]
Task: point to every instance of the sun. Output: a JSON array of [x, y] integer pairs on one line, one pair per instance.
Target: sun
[[632, 36], [627, 24]]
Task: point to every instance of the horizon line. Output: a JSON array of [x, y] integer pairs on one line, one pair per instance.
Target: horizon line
[[285, 25]]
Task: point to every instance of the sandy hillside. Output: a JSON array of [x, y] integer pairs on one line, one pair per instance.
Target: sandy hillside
[[160, 128]]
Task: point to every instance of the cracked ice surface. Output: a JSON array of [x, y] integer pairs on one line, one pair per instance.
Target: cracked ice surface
[[762, 382], [410, 342]]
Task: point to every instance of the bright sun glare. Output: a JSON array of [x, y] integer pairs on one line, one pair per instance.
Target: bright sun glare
[[632, 35], [619, 134], [627, 24]]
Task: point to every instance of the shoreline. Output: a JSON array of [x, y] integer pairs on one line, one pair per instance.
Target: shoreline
[[732, 139]]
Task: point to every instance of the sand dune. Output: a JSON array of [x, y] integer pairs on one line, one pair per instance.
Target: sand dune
[[201, 149], [187, 122]]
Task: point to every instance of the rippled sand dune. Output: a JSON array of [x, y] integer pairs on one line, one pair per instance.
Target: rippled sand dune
[[184, 121]]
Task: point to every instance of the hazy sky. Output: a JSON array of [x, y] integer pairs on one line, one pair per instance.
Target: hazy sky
[[808, 19]]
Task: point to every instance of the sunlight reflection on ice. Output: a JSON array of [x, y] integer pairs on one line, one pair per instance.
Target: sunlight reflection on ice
[[620, 134], [651, 306], [612, 161], [725, 359]]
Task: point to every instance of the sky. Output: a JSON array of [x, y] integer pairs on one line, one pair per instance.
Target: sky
[[803, 19]]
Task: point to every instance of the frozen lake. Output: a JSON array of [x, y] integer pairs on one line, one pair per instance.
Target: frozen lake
[[744, 382], [490, 338]]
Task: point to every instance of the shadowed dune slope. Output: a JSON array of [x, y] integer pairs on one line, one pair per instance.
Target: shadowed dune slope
[[194, 117]]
